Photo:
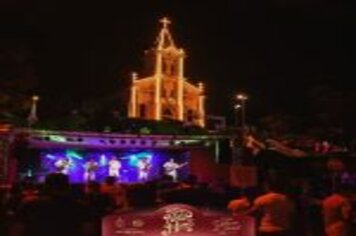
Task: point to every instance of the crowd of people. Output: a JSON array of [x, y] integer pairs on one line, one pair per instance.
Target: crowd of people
[[283, 212], [281, 206]]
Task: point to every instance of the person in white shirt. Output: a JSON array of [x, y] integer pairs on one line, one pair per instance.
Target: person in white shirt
[[144, 166], [171, 169], [114, 167], [90, 168], [337, 212], [62, 165]]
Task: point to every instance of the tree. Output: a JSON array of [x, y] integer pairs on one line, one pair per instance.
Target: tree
[[17, 83]]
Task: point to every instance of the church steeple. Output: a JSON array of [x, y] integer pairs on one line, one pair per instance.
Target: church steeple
[[165, 39], [169, 63], [167, 55]]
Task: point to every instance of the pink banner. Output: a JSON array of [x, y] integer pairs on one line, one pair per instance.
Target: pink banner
[[178, 220]]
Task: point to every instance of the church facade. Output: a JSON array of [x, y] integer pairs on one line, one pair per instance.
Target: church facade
[[163, 92]]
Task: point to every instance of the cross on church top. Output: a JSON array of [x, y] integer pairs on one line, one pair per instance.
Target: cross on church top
[[164, 39], [165, 21]]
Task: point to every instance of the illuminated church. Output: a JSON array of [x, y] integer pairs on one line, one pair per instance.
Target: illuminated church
[[163, 92]]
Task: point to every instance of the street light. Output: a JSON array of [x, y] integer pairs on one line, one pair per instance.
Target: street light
[[236, 108], [32, 117], [242, 98]]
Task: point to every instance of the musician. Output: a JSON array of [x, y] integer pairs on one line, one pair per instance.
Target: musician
[[90, 168], [114, 167], [171, 167], [144, 166], [62, 165]]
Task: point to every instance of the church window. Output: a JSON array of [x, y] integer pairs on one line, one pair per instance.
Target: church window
[[190, 115]]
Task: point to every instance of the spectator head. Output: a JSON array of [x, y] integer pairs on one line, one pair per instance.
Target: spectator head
[[110, 180], [29, 183], [275, 186], [92, 187], [344, 189], [56, 184], [335, 164]]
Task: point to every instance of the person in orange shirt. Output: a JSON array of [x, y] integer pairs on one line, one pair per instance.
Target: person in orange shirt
[[337, 212], [276, 211]]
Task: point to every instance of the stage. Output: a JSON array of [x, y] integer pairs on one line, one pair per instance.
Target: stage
[[36, 153], [44, 161]]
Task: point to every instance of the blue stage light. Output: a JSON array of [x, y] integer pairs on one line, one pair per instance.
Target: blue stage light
[[51, 157], [103, 160], [73, 154], [133, 160]]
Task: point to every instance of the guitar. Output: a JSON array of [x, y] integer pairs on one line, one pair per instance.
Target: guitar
[[146, 167], [62, 165], [91, 167]]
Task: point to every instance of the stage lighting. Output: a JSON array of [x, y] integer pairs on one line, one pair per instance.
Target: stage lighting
[[103, 160]]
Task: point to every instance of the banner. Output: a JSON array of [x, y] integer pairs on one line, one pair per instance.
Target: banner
[[178, 220]]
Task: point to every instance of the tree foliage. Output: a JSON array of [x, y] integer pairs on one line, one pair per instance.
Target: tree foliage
[[17, 83]]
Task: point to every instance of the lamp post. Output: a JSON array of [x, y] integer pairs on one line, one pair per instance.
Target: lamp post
[[32, 117], [236, 109], [242, 98]]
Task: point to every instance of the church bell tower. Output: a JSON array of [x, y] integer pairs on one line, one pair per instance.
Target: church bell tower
[[165, 93]]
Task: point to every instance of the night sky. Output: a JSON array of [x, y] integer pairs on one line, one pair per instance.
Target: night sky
[[275, 51]]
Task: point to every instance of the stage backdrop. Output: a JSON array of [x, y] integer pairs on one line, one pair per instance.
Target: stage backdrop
[[129, 159]]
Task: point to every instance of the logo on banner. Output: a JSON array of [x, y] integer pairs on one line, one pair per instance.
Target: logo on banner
[[177, 220]]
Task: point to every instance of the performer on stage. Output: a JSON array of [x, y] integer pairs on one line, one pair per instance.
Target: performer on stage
[[90, 167], [114, 167], [171, 167], [62, 165], [144, 166]]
